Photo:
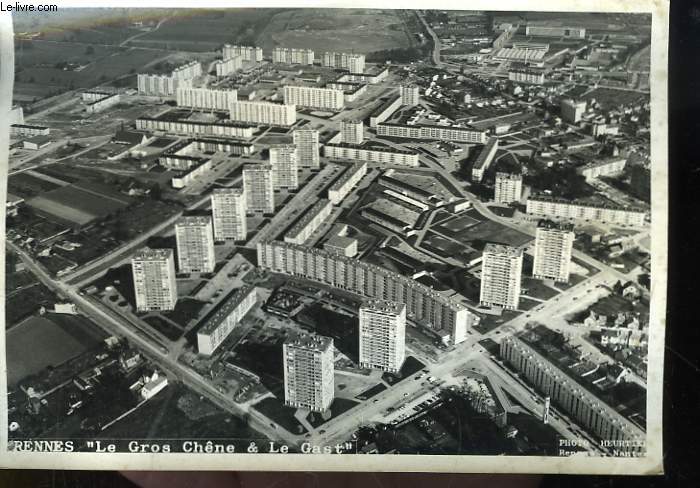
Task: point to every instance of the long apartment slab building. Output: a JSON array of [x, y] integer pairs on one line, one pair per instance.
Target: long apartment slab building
[[288, 55], [314, 97], [309, 380], [385, 110], [484, 159], [310, 220], [384, 155], [432, 132], [264, 113], [344, 184], [551, 207], [445, 317], [248, 53], [220, 322], [153, 272], [206, 98], [579, 403], [221, 128], [167, 85]]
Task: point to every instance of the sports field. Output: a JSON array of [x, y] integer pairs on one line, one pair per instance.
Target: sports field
[[50, 340]]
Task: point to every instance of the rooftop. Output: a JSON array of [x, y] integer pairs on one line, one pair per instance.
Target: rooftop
[[321, 205], [547, 198], [383, 306], [347, 174], [549, 224], [146, 253], [193, 220], [308, 341], [362, 147], [224, 308], [503, 249]]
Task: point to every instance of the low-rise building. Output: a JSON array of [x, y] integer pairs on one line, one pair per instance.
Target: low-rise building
[[266, 113], [432, 132], [221, 320], [384, 155], [314, 97], [342, 245], [551, 207]]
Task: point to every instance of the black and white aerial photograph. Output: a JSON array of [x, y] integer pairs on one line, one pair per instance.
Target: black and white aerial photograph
[[330, 231]]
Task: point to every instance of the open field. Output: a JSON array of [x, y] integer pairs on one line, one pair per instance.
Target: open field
[[347, 30], [52, 340]]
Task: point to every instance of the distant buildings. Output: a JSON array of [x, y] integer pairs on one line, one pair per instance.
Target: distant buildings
[[432, 132], [522, 73], [266, 113], [580, 404], [248, 53], [445, 317], [352, 131], [97, 101], [382, 335], [606, 167], [285, 170], [166, 85], [549, 31], [23, 130], [227, 66], [292, 56], [314, 97], [153, 271], [308, 147], [484, 159], [572, 110], [501, 271], [220, 321], [372, 154], [410, 95], [508, 188], [308, 372], [355, 63], [550, 207], [553, 245], [309, 222], [258, 188], [221, 128], [342, 187], [195, 245], [205, 98], [228, 206]]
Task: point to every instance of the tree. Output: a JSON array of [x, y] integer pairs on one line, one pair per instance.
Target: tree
[[155, 192]]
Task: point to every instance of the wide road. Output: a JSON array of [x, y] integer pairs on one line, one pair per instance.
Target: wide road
[[436, 40]]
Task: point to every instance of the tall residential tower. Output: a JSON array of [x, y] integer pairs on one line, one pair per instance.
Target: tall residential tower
[[155, 287], [382, 335], [554, 243], [308, 372], [228, 207], [501, 271], [195, 245]]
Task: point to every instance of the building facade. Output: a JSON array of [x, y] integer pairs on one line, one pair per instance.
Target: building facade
[[258, 188], [433, 132], [308, 148], [222, 128], [352, 131], [354, 152], [206, 98], [554, 243], [410, 95], [550, 207], [384, 111], [572, 110], [549, 31], [155, 288], [195, 245], [444, 317], [228, 207], [292, 56], [160, 85], [308, 372], [266, 113], [355, 63], [382, 335], [285, 168], [508, 188], [314, 97], [501, 272], [227, 66], [219, 323], [248, 53]]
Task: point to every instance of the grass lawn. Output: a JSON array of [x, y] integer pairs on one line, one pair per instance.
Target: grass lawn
[[186, 309], [280, 414], [490, 322], [164, 327], [537, 289], [527, 304], [338, 407]]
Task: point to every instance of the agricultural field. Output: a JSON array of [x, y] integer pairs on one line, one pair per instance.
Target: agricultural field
[[45, 341], [355, 30]]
